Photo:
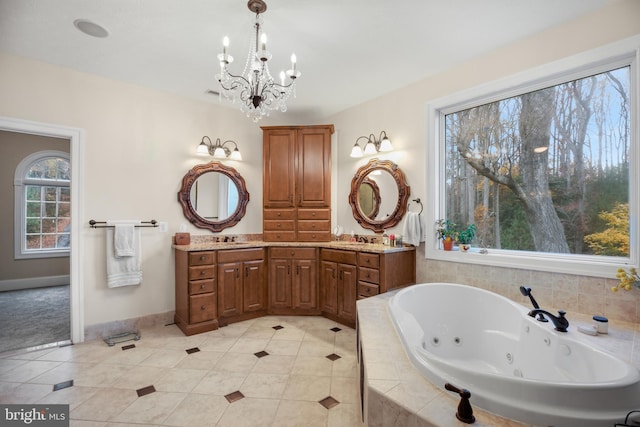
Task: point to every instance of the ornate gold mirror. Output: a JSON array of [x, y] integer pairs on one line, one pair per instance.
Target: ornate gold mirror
[[379, 195], [213, 196]]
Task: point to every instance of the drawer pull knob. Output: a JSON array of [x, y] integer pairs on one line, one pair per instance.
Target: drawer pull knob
[[204, 307], [203, 272], [279, 214], [202, 286], [292, 253], [202, 258]]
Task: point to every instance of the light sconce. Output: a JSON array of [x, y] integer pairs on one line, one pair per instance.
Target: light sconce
[[372, 146], [219, 150]]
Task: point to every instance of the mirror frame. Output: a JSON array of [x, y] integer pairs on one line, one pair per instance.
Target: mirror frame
[[184, 196], [404, 192]]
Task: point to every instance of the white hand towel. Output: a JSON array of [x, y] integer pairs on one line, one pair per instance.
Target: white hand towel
[[123, 270], [123, 237], [412, 229]]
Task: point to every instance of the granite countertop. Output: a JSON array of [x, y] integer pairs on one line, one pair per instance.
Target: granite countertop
[[207, 245]]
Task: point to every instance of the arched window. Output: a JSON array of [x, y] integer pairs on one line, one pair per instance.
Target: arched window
[[43, 205]]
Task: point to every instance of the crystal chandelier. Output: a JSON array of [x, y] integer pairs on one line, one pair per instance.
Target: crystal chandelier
[[255, 88]]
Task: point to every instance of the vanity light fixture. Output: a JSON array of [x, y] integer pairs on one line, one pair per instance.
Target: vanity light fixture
[[256, 89], [219, 150], [372, 146]]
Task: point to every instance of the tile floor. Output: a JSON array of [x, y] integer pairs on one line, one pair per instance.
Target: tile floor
[[271, 371]]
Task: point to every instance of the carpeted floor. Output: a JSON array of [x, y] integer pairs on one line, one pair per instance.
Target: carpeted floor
[[33, 317]]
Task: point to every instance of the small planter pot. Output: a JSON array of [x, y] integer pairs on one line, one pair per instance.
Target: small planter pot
[[447, 244], [464, 247]]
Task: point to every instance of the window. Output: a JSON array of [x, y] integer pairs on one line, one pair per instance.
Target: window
[[546, 168], [43, 205]]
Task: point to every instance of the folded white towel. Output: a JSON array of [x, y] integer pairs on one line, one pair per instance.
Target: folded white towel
[[123, 270], [413, 229], [123, 236]]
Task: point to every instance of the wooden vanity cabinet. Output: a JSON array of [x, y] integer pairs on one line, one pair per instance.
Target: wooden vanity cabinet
[[297, 183], [241, 284], [382, 272], [196, 302], [293, 280], [338, 285]]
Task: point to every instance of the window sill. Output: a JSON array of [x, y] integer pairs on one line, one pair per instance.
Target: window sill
[[596, 266]]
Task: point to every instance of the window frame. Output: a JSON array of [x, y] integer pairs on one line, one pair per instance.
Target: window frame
[[20, 250], [624, 53]]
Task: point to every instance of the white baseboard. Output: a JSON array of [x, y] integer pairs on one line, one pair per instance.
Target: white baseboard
[[34, 282]]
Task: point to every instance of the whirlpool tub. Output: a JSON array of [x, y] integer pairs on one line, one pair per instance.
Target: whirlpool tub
[[513, 365]]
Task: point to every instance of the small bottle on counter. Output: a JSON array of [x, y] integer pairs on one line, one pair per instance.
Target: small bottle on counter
[[392, 240], [385, 239], [602, 324], [399, 240]]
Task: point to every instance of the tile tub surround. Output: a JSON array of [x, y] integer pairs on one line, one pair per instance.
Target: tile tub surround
[[270, 371], [395, 393]]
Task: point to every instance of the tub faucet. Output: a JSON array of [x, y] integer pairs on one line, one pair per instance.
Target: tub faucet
[[527, 293], [560, 322]]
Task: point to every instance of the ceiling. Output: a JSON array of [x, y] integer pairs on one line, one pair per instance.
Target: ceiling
[[349, 51]]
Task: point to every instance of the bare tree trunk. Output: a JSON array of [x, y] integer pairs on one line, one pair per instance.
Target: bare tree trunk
[[535, 127]]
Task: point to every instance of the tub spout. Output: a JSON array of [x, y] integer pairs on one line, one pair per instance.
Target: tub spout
[[560, 322], [465, 411], [527, 293]]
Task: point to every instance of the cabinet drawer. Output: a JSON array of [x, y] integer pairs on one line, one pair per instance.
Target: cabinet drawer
[[202, 286], [202, 272], [367, 289], [336, 255], [202, 307], [289, 253], [237, 255], [314, 214], [314, 236], [279, 236], [314, 225], [371, 275], [279, 225], [278, 214], [202, 258], [368, 260]]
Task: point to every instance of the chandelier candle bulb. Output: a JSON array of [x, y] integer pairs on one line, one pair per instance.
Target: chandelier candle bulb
[[293, 63]]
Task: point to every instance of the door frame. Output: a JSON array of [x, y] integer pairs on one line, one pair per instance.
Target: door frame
[[76, 142]]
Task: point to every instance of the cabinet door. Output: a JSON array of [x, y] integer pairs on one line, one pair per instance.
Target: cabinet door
[[280, 283], [253, 290], [314, 167], [305, 284], [279, 168], [329, 287], [347, 291], [229, 289]]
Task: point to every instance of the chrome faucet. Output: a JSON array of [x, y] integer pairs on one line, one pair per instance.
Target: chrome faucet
[[363, 239], [560, 322]]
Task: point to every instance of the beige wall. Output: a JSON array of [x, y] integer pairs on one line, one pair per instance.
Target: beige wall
[[138, 143], [14, 147]]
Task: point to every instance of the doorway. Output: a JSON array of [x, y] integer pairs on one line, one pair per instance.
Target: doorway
[[74, 136]]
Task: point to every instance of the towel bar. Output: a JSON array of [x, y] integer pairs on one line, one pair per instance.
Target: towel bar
[[418, 201], [94, 224]]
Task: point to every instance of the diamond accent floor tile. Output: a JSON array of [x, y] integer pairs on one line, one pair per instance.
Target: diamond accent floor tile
[[234, 397], [261, 354], [192, 350], [329, 402], [145, 390], [128, 347], [336, 329], [278, 327], [62, 385], [333, 357]]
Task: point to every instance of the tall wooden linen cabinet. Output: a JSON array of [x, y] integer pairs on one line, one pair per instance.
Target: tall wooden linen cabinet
[[297, 183]]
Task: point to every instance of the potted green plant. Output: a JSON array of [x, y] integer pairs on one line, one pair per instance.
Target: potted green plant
[[446, 231], [465, 237]]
